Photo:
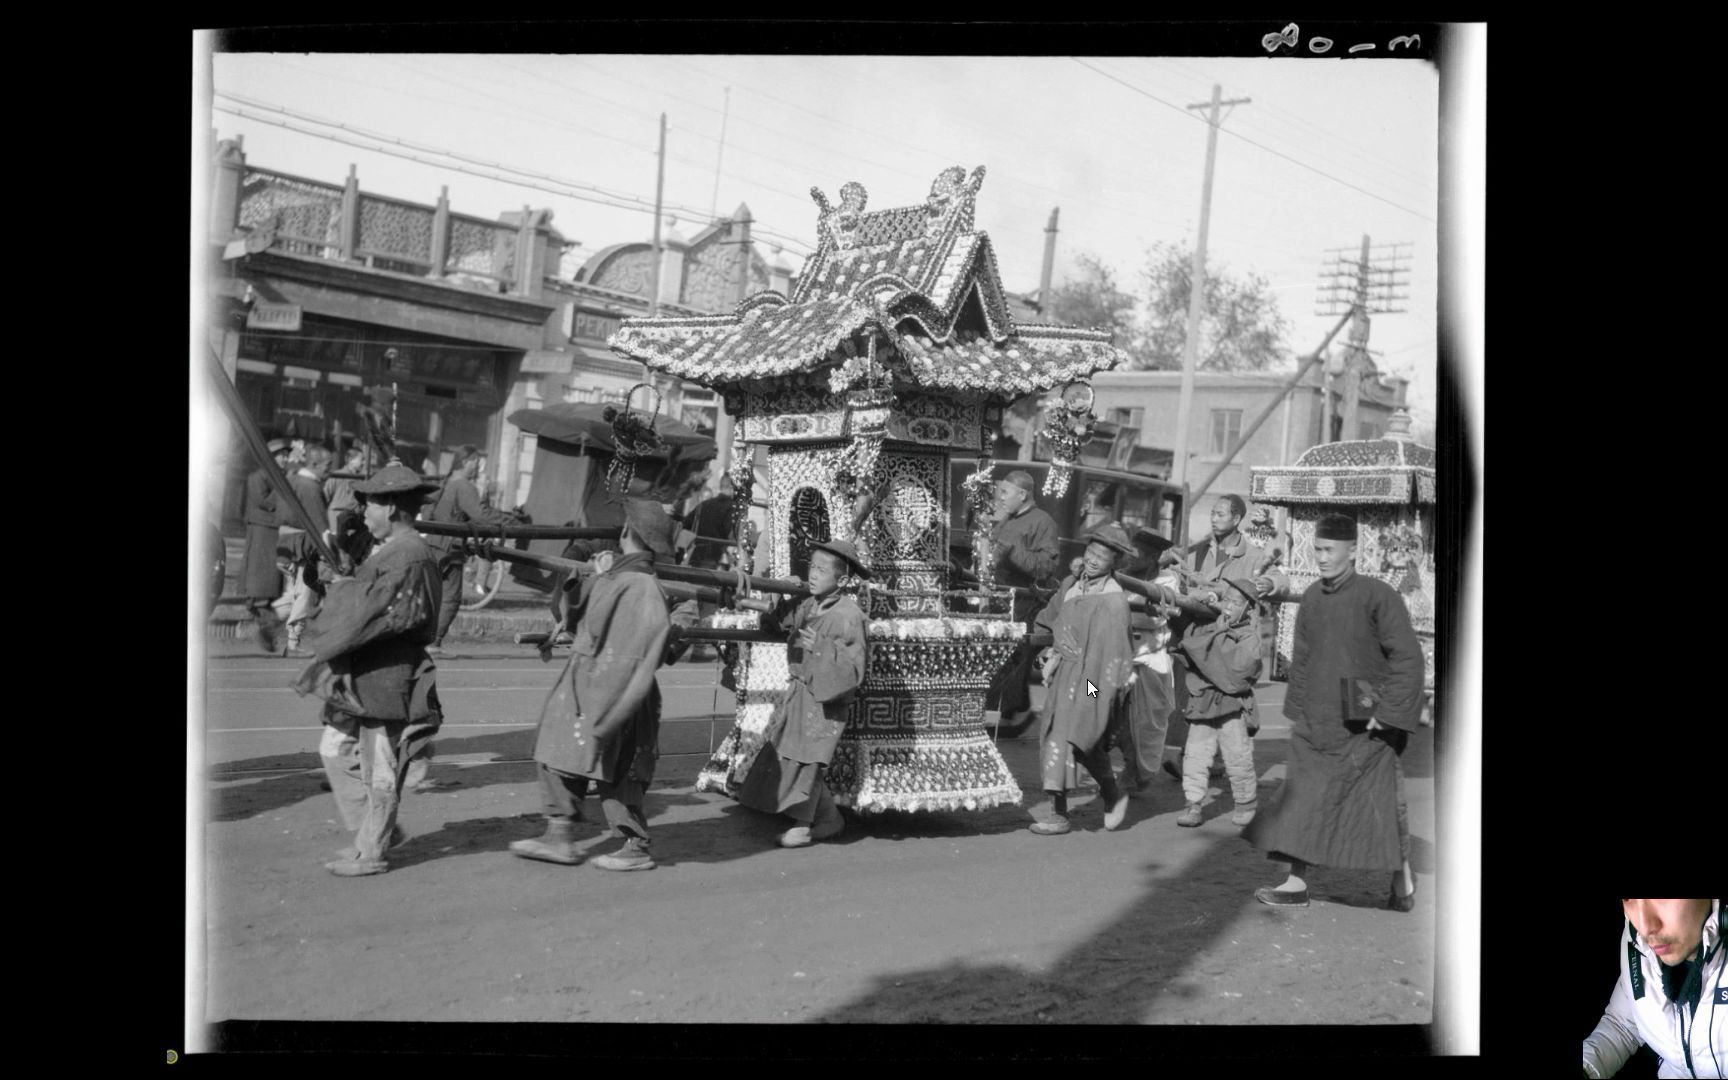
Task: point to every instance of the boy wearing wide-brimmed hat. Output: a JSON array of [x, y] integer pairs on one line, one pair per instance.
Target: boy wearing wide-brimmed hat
[[372, 672], [1087, 673], [600, 727], [1223, 662], [825, 657]]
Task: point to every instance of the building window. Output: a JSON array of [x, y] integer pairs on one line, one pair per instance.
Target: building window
[[1367, 429], [1226, 429], [1128, 418]]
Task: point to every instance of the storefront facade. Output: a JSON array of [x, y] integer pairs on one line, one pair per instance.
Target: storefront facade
[[323, 293]]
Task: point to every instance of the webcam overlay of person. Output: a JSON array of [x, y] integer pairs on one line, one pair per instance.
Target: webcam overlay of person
[[1657, 1004]]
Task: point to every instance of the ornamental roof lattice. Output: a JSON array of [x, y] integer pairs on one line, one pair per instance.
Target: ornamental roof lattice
[[919, 278]]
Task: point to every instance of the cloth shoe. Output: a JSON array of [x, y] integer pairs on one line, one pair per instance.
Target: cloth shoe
[[1049, 821], [554, 846], [1274, 898], [1118, 811], [632, 856], [1402, 903], [796, 836], [357, 867], [1244, 812], [398, 837], [1190, 816]]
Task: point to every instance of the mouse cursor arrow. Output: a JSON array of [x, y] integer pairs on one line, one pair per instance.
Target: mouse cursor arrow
[[1091, 691]]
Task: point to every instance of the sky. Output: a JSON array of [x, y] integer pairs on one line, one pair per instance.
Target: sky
[[1326, 151]]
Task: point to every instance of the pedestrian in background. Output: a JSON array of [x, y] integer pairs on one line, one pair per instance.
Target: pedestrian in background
[[1354, 697], [1024, 552], [1087, 671], [371, 670], [711, 521], [459, 502], [825, 663], [258, 574], [600, 727], [299, 600]]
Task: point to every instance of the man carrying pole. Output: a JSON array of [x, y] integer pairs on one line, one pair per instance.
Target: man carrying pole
[[372, 672], [600, 726]]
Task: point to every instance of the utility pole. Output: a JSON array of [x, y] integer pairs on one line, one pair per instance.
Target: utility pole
[[1049, 264], [1196, 303], [659, 190], [1371, 285]]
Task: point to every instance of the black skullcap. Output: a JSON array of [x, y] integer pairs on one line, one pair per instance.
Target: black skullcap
[[1335, 527]]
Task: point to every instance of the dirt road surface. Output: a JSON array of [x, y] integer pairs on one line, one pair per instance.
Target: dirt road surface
[[951, 918]]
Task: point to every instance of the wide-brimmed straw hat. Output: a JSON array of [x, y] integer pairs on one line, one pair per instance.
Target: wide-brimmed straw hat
[[846, 550]]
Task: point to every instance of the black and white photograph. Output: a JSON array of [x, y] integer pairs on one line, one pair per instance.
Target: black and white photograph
[[803, 530]]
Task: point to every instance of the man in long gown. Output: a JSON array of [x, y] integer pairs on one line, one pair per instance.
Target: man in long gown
[[600, 726], [259, 575], [1025, 550], [825, 663], [1088, 673], [1354, 655]]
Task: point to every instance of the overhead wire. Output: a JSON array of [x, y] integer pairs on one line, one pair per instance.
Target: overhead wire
[[1251, 142], [620, 200]]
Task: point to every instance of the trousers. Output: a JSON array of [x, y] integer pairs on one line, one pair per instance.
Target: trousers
[[620, 801], [367, 762], [1206, 738], [451, 600]]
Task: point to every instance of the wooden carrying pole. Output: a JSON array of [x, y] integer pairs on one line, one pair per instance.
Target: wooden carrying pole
[[230, 399], [669, 573], [519, 532]]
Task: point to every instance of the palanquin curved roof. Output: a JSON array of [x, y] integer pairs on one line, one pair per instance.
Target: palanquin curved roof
[[918, 278], [1391, 470]]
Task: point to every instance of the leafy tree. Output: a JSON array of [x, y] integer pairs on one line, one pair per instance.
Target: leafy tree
[[1241, 329], [1090, 297]]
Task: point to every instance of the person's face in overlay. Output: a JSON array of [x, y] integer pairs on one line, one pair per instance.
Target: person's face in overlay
[[1333, 557], [826, 570], [1672, 929], [1009, 498]]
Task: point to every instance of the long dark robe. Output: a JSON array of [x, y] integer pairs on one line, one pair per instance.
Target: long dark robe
[[370, 637], [1092, 638], [1339, 803], [259, 576], [808, 722], [621, 625]]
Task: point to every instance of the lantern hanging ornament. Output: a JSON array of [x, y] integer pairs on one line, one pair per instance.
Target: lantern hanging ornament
[[980, 498], [868, 408], [1068, 423], [633, 437]]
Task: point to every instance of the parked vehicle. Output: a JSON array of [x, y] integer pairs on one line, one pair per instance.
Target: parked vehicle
[[1094, 496]]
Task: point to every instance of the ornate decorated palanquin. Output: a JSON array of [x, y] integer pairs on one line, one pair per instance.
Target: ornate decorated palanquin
[[1387, 485], [895, 353]]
